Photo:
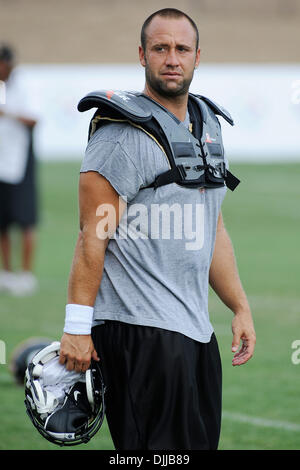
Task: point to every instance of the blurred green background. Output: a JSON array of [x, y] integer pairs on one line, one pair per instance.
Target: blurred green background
[[261, 398]]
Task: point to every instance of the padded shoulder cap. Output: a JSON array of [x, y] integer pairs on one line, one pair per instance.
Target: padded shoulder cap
[[217, 109], [128, 103]]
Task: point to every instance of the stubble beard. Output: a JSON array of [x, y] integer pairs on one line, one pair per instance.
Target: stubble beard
[[161, 86]]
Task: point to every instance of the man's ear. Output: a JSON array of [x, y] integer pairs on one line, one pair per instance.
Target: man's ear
[[142, 56], [197, 61]]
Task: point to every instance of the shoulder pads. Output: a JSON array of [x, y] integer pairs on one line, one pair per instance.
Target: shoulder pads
[[188, 167], [128, 103], [216, 108]]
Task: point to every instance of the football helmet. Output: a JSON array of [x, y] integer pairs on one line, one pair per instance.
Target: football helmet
[[66, 407]]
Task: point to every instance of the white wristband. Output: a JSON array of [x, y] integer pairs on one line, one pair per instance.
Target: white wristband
[[78, 319]]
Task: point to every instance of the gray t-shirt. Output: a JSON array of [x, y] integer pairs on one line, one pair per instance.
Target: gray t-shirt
[[157, 264]]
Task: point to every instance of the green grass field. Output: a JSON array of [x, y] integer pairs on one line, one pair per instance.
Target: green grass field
[[261, 398]]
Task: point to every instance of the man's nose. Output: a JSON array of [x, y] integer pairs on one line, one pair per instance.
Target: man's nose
[[172, 59]]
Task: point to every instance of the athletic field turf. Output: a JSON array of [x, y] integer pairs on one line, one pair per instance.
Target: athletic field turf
[[261, 398]]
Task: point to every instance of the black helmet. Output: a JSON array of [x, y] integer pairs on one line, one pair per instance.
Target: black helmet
[[66, 407]]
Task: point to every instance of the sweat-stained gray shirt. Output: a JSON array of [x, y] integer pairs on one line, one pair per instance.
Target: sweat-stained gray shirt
[[157, 264]]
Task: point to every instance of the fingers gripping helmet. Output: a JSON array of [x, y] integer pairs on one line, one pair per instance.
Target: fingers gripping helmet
[[66, 407]]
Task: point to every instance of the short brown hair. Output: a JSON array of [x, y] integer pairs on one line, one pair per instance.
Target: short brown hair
[[167, 13]]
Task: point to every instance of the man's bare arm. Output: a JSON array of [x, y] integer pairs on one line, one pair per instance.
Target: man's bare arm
[[225, 281], [95, 192]]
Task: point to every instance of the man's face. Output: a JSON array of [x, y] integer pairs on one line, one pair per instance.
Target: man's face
[[170, 56]]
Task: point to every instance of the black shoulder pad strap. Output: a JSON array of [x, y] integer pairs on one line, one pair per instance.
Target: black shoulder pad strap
[[124, 102], [216, 108]]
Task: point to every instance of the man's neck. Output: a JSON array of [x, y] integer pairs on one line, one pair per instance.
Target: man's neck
[[177, 104]]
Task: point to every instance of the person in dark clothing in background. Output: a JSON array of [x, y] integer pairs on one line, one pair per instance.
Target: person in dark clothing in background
[[18, 198]]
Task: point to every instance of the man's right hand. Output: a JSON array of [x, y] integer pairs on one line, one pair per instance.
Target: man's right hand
[[76, 352]]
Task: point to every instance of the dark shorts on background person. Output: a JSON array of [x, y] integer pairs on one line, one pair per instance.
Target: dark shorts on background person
[[18, 202], [163, 389]]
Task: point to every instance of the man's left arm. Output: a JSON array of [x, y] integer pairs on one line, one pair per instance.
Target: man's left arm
[[225, 281]]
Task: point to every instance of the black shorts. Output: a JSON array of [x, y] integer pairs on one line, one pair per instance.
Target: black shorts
[[163, 388], [18, 202]]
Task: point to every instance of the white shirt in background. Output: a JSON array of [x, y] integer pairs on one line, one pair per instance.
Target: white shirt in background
[[14, 136]]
